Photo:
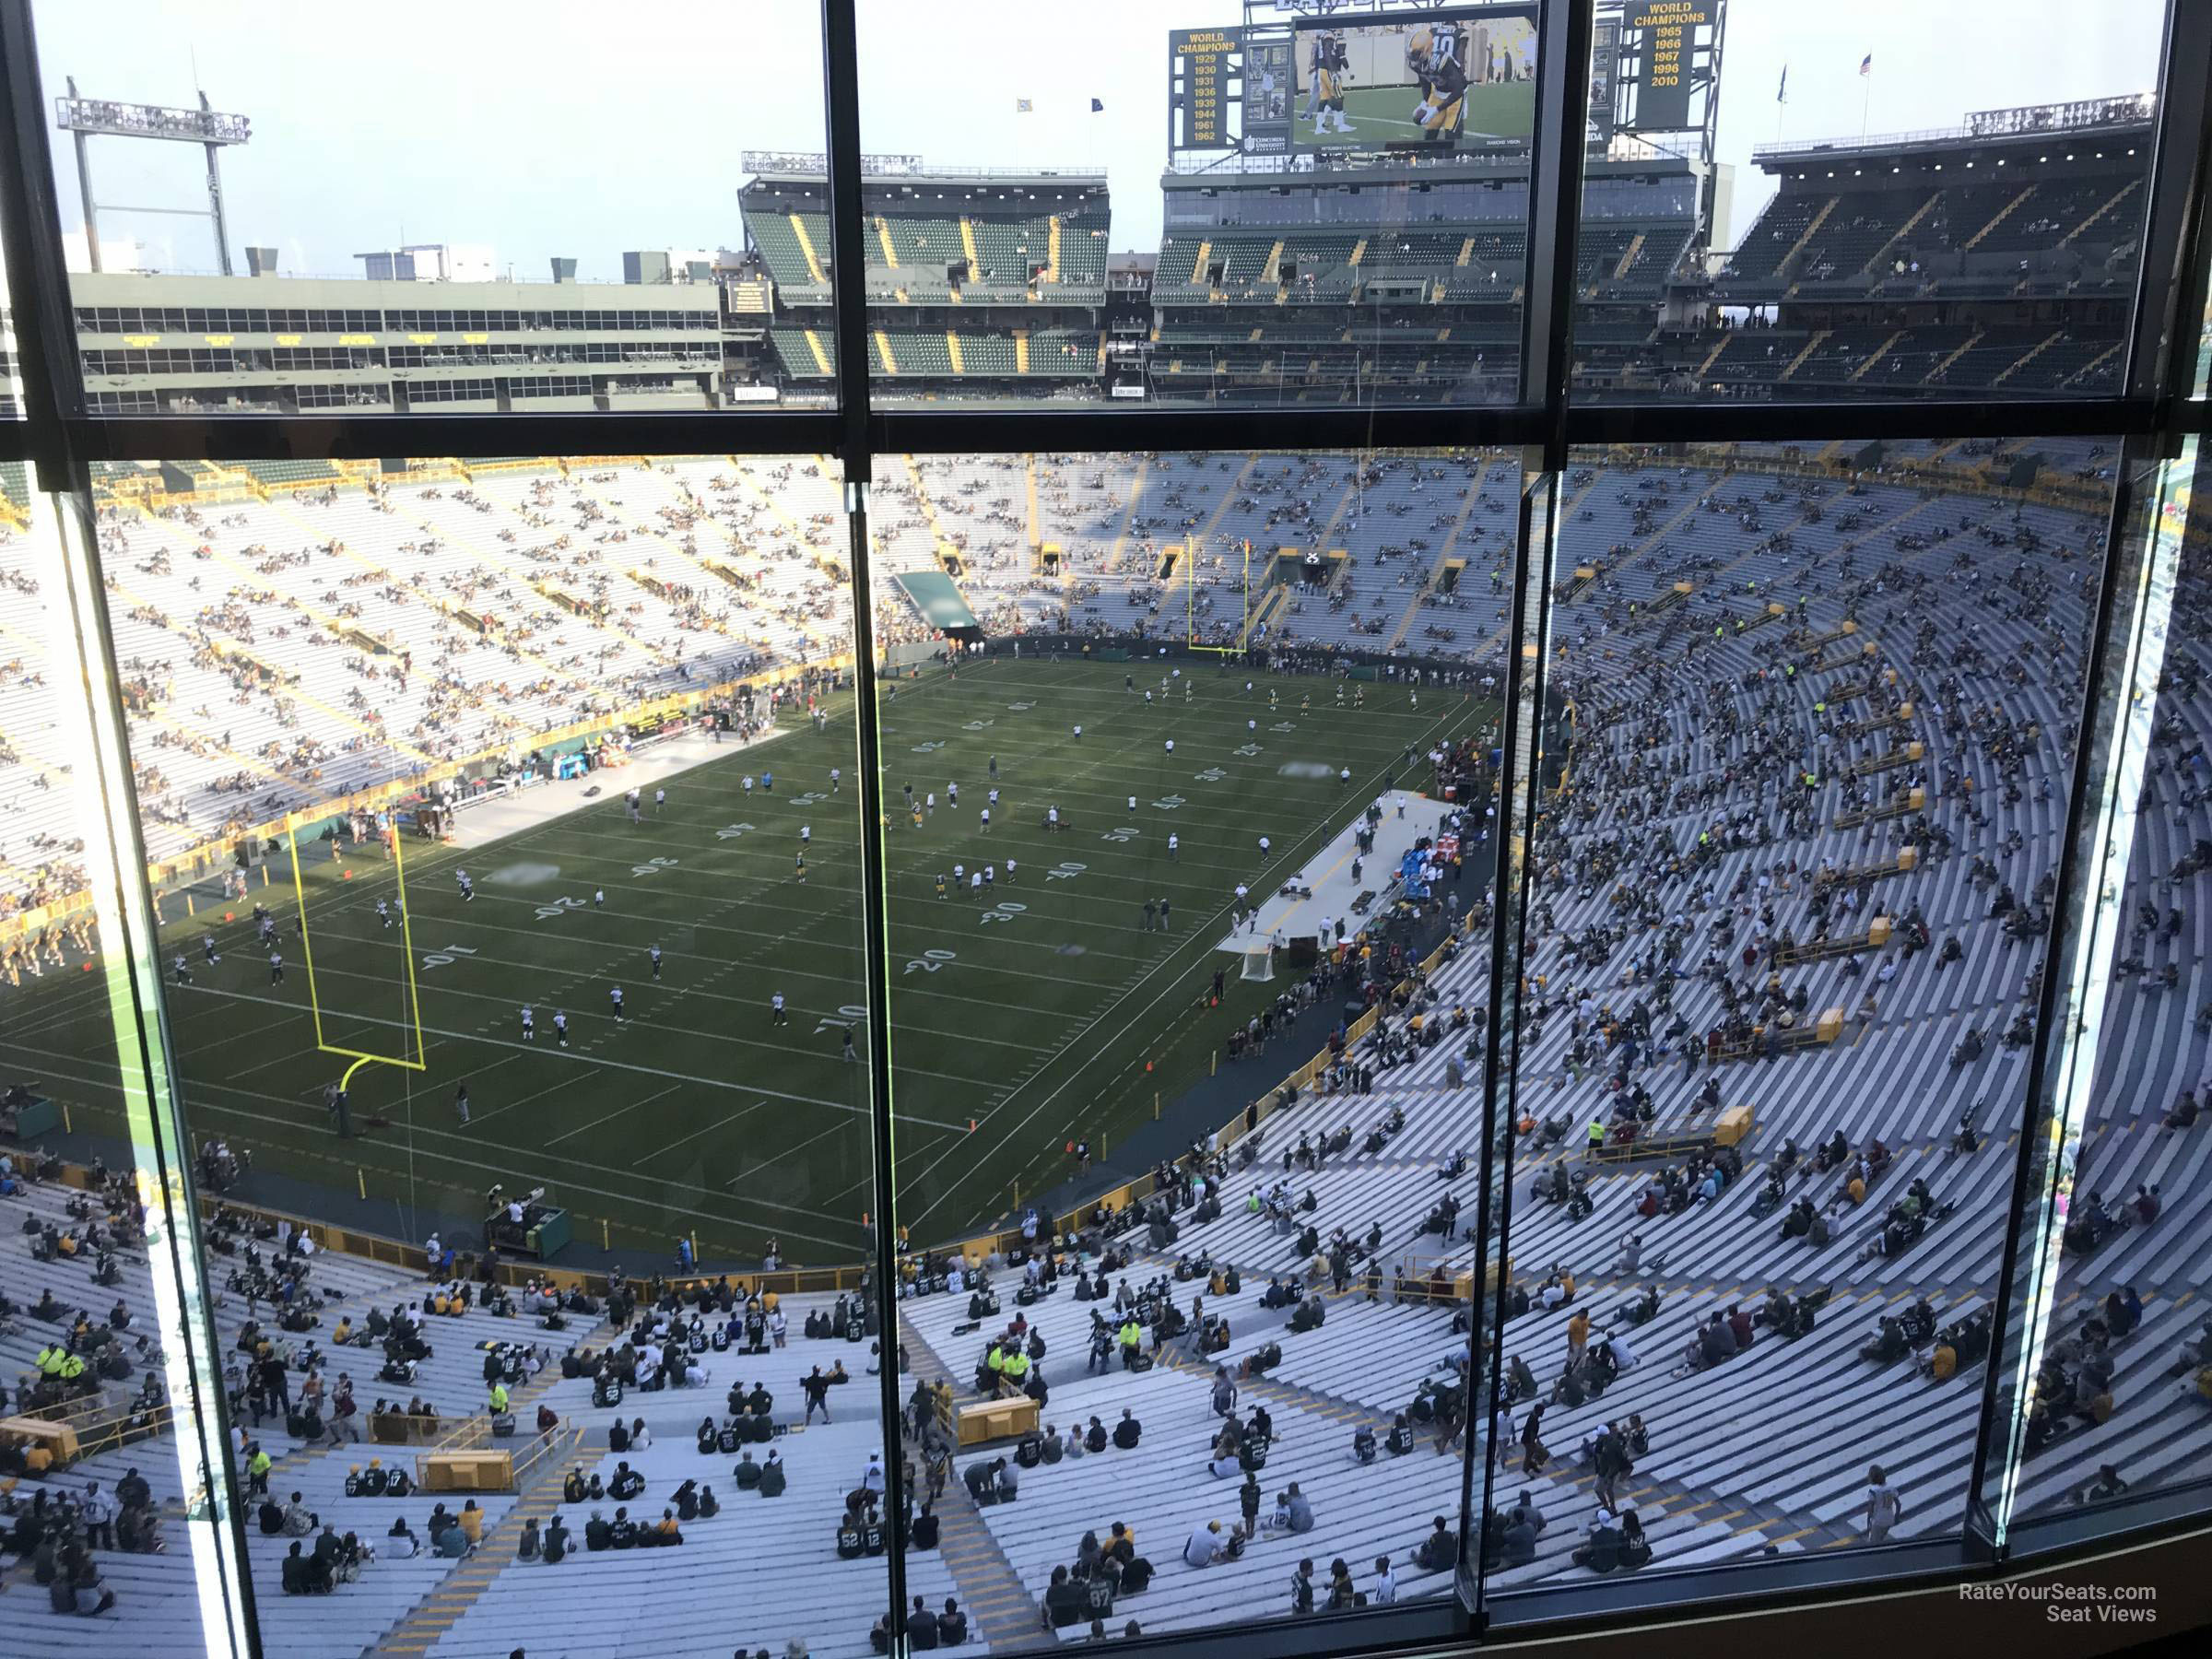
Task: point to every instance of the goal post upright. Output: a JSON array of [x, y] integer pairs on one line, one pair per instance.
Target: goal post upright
[[420, 1062]]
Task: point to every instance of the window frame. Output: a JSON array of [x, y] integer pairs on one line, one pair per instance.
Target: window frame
[[2152, 410]]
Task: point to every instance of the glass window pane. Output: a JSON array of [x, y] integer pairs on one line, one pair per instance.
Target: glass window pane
[[1187, 858], [110, 1347], [1786, 923], [2105, 1313], [1337, 215], [1836, 217], [505, 874], [491, 258]]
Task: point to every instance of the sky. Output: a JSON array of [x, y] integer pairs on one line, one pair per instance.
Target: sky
[[546, 127]]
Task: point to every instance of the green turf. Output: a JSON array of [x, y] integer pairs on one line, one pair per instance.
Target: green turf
[[1381, 115], [1031, 1014]]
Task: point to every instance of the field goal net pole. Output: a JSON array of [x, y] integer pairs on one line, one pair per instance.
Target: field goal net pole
[[407, 942], [1189, 589]]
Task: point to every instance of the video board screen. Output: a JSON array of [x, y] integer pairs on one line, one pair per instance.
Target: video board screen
[[1463, 77]]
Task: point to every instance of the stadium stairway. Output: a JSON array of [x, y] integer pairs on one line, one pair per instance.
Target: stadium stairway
[[450, 1599], [1436, 570], [1006, 1612]]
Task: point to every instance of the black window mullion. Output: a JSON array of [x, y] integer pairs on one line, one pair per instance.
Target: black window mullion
[[1555, 197], [848, 261], [2170, 279], [38, 277]]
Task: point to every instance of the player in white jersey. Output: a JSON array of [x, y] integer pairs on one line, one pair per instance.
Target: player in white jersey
[[383, 912], [776, 1015], [208, 950], [655, 953], [529, 1026], [1174, 847], [560, 1027], [468, 888], [276, 968], [614, 996], [986, 820], [181, 968]]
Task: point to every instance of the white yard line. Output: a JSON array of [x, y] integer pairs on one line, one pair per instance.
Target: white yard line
[[648, 1071]]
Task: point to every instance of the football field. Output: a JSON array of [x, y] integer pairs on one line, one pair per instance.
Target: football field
[[1021, 1018], [1381, 115]]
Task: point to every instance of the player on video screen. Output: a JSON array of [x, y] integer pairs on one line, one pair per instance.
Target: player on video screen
[[1330, 61], [1432, 53]]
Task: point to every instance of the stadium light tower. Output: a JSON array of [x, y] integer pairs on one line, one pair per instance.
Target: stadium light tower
[[85, 117]]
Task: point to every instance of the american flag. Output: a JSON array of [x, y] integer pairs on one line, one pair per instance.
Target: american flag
[[1867, 64]]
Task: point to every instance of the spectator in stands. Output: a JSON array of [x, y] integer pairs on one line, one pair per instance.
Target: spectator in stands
[[1439, 1552], [2108, 1485], [297, 1578], [952, 1624], [1884, 1507], [1064, 1601], [1205, 1547]]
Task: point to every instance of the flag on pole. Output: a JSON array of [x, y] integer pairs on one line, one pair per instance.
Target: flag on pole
[[1867, 64], [1782, 92], [1021, 106], [1096, 105]]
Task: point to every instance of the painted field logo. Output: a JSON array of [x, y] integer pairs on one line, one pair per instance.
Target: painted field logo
[[521, 874], [1303, 769]]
